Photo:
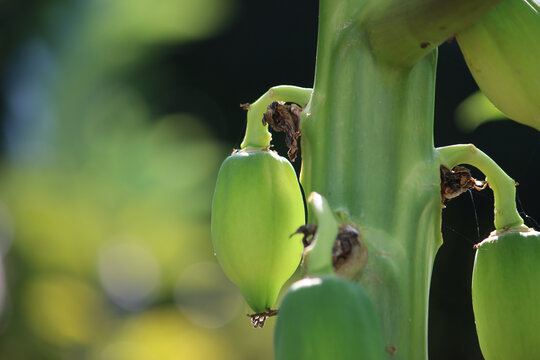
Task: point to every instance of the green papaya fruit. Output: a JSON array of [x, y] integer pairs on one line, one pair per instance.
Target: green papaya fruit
[[502, 50], [506, 296], [257, 205], [326, 318]]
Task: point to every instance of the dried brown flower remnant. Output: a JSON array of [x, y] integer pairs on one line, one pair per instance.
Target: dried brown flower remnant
[[308, 231], [259, 319], [456, 181], [346, 239], [285, 118], [349, 254], [392, 350]]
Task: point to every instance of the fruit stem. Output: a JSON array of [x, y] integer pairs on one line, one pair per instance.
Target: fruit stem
[[319, 253], [504, 188], [257, 134]]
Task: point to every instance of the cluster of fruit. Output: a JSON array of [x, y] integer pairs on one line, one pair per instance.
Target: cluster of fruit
[[258, 204]]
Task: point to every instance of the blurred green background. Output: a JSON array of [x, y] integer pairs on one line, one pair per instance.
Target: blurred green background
[[115, 117]]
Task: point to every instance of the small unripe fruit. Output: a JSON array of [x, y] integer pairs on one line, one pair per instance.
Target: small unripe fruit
[[328, 318], [506, 296], [257, 205]]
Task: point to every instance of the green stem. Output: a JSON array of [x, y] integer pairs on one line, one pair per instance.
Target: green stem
[[367, 145], [257, 134], [506, 215], [319, 253]]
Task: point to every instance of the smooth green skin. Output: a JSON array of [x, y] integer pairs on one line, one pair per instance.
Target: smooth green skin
[[257, 205], [502, 51], [328, 318], [506, 296]]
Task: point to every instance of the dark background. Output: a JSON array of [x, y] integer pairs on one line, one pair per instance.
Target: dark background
[[271, 43]]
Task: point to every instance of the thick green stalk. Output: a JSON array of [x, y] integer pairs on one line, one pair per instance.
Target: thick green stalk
[[368, 148]]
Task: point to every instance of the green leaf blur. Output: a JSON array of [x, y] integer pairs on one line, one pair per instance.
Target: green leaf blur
[[105, 248]]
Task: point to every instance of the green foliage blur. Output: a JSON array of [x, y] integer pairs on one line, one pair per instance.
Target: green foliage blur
[[105, 249]]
